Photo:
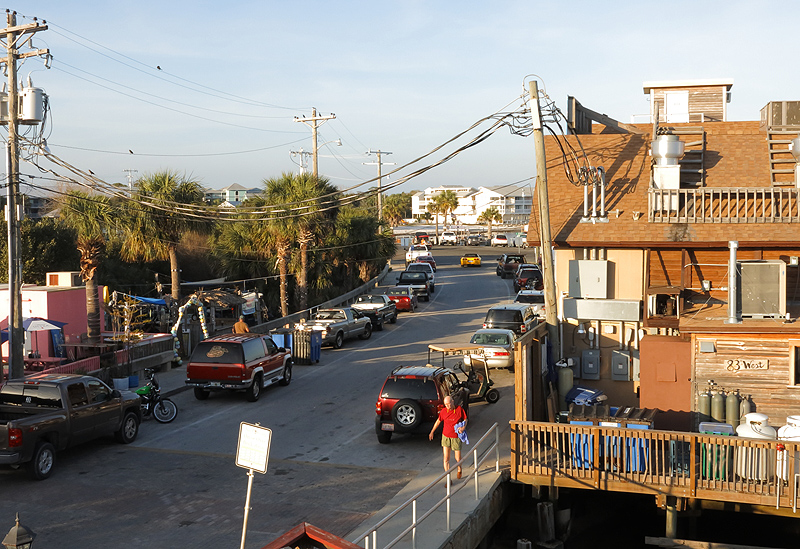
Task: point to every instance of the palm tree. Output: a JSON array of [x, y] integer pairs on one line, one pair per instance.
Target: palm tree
[[436, 206], [490, 215], [154, 227], [308, 202], [396, 206], [449, 202], [90, 217]]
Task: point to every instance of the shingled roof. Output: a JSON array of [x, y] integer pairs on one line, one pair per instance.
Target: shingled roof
[[736, 155]]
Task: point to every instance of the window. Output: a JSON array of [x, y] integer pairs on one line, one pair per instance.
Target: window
[[98, 392], [253, 350], [794, 362], [413, 388], [218, 352], [271, 347], [77, 395]]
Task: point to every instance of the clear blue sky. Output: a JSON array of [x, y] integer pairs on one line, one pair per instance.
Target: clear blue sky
[[400, 76]]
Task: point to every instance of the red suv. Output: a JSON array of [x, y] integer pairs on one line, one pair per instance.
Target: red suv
[[411, 398]]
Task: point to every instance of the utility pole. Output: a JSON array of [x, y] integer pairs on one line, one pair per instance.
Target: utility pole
[[15, 38], [314, 122], [129, 174], [303, 160], [545, 239], [379, 163]]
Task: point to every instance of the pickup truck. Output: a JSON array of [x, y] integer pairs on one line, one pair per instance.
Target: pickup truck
[[507, 264], [415, 251], [46, 413], [339, 324], [419, 283], [247, 362], [449, 237], [379, 309]]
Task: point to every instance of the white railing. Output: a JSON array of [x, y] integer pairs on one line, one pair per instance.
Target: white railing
[[449, 493]]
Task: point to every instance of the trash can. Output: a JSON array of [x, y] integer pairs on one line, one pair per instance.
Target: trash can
[[301, 351], [582, 445], [584, 395], [316, 346], [716, 460], [637, 449], [282, 337]]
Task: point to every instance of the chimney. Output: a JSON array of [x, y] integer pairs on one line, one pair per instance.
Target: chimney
[[666, 150]]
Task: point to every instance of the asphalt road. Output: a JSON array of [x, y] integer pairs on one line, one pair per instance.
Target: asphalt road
[[178, 486]]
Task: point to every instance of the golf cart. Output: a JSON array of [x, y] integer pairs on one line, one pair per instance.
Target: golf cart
[[477, 382]]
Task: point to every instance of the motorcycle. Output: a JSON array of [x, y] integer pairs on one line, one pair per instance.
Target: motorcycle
[[163, 409]]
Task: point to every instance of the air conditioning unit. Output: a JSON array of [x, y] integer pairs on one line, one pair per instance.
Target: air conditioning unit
[[762, 289], [70, 279]]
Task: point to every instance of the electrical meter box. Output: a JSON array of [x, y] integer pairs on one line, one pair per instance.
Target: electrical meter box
[[620, 366], [590, 364]]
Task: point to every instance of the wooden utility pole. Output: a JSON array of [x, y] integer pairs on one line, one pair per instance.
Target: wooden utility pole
[[551, 316], [379, 163], [314, 122], [15, 38]]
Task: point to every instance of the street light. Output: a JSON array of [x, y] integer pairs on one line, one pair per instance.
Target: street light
[[19, 537]]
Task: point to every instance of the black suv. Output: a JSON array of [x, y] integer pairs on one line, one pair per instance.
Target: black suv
[[520, 317], [411, 398]]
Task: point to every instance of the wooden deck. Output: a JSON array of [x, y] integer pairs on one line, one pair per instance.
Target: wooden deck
[[662, 463]]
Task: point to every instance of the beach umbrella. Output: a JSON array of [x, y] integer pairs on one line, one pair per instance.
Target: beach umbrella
[[37, 324]]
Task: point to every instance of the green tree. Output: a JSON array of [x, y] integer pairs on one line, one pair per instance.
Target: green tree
[[154, 224], [396, 207], [46, 245], [437, 206], [490, 215], [449, 202], [89, 216]]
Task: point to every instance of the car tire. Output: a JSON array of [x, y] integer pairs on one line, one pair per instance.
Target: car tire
[[394, 318], [201, 394], [129, 429], [492, 396], [44, 459], [433, 288], [338, 341], [286, 378], [379, 325], [254, 391], [367, 332], [385, 437], [407, 413]]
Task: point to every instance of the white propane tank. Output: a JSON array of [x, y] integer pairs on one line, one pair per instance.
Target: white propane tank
[[790, 433], [565, 380], [756, 463]]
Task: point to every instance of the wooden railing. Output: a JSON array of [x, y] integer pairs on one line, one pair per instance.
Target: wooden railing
[[724, 205], [663, 463]]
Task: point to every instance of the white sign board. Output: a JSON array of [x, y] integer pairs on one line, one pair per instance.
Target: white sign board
[[252, 452]]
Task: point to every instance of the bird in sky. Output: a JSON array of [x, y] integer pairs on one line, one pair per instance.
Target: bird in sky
[[130, 151], [158, 67]]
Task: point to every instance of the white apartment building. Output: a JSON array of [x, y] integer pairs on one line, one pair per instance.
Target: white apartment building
[[512, 201]]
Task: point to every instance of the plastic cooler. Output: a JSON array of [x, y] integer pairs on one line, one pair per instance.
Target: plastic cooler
[[637, 450], [716, 460]]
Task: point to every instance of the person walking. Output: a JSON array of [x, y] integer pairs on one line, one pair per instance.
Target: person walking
[[241, 327], [449, 417]]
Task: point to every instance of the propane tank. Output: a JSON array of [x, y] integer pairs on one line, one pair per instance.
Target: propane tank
[[732, 409], [745, 407], [565, 379], [704, 405], [718, 406]]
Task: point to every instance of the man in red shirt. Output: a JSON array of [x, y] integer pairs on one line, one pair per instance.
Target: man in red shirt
[[448, 417]]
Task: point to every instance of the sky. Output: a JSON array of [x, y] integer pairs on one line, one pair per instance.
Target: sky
[[400, 77]]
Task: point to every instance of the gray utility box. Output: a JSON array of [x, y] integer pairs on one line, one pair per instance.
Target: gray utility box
[[588, 279], [590, 364], [620, 366]]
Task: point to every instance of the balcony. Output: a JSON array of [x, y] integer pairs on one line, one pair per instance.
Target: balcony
[[724, 205]]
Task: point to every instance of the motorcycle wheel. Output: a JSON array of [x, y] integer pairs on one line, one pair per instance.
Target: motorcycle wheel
[[165, 410]]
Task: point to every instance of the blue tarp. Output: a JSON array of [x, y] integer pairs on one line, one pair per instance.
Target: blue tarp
[[150, 300]]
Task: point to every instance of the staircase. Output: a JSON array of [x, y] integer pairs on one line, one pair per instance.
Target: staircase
[[781, 161]]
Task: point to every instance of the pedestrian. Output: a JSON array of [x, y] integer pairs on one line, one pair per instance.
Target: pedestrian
[[241, 326], [448, 417]]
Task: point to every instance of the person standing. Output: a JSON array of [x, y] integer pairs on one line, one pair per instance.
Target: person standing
[[241, 327], [448, 417]]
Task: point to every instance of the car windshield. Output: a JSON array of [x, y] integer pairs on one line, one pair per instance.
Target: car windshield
[[220, 352], [530, 298], [490, 339], [370, 299], [528, 273], [503, 315], [29, 395], [470, 255], [413, 388], [413, 276], [424, 267], [400, 292], [515, 259], [329, 315]]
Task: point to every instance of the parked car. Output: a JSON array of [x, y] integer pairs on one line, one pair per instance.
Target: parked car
[[476, 240], [422, 237], [45, 413], [404, 298], [449, 237], [528, 274], [498, 347], [519, 317], [340, 324], [378, 308], [238, 362], [507, 264], [424, 267], [426, 259], [411, 397], [419, 283], [499, 240], [532, 297], [470, 260], [416, 250]]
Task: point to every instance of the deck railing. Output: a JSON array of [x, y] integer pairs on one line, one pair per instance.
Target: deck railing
[[724, 205], [665, 463]]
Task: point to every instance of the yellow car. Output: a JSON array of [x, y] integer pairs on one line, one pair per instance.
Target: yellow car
[[468, 260]]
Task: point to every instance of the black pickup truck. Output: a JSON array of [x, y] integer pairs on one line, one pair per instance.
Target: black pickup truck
[[45, 413]]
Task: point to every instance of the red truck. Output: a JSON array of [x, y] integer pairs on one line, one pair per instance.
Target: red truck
[[238, 362], [46, 413]]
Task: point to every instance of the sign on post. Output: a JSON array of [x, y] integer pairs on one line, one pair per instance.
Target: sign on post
[[252, 452]]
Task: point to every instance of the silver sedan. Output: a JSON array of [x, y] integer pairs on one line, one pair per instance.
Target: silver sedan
[[498, 347]]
